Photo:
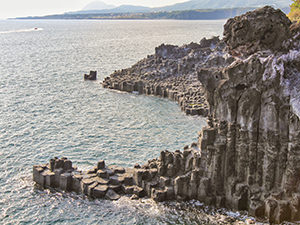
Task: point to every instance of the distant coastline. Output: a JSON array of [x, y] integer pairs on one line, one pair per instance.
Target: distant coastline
[[203, 14]]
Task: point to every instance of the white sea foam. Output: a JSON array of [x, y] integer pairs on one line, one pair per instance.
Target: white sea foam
[[21, 30]]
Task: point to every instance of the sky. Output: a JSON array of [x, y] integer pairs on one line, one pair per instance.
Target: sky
[[19, 8]]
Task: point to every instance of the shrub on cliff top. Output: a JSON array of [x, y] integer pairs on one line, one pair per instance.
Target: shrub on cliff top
[[294, 14]]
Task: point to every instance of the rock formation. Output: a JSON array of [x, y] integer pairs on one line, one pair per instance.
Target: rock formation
[[100, 182], [248, 157], [251, 147], [91, 76], [172, 73], [257, 30]]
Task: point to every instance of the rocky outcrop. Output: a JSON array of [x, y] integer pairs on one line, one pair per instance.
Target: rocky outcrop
[[262, 29], [251, 147], [172, 73], [248, 157], [91, 76], [102, 181], [165, 178]]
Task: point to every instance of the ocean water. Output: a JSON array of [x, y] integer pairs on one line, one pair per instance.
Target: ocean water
[[48, 110]]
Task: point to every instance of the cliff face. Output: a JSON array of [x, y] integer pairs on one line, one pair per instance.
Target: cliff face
[[249, 156], [251, 148]]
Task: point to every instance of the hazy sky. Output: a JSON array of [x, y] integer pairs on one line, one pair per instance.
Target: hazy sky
[[15, 8]]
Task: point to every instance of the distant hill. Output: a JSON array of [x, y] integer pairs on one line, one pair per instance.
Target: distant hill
[[205, 14], [119, 9], [194, 9], [220, 4], [98, 5]]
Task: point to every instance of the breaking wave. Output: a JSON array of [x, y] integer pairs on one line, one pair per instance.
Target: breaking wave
[[21, 30]]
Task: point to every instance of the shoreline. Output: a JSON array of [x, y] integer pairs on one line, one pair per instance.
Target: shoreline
[[114, 183]]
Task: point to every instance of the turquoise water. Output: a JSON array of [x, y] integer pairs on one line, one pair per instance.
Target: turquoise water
[[48, 110]]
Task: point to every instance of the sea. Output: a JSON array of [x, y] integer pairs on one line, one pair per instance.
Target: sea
[[47, 110]]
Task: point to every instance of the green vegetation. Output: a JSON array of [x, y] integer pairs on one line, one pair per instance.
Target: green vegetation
[[208, 14], [294, 14]]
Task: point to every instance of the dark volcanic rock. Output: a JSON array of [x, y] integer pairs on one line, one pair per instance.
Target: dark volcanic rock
[[172, 73], [112, 195], [262, 29], [91, 76], [251, 148]]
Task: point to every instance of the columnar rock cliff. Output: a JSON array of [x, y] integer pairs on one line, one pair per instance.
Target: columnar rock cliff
[[172, 73], [251, 147], [248, 157]]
